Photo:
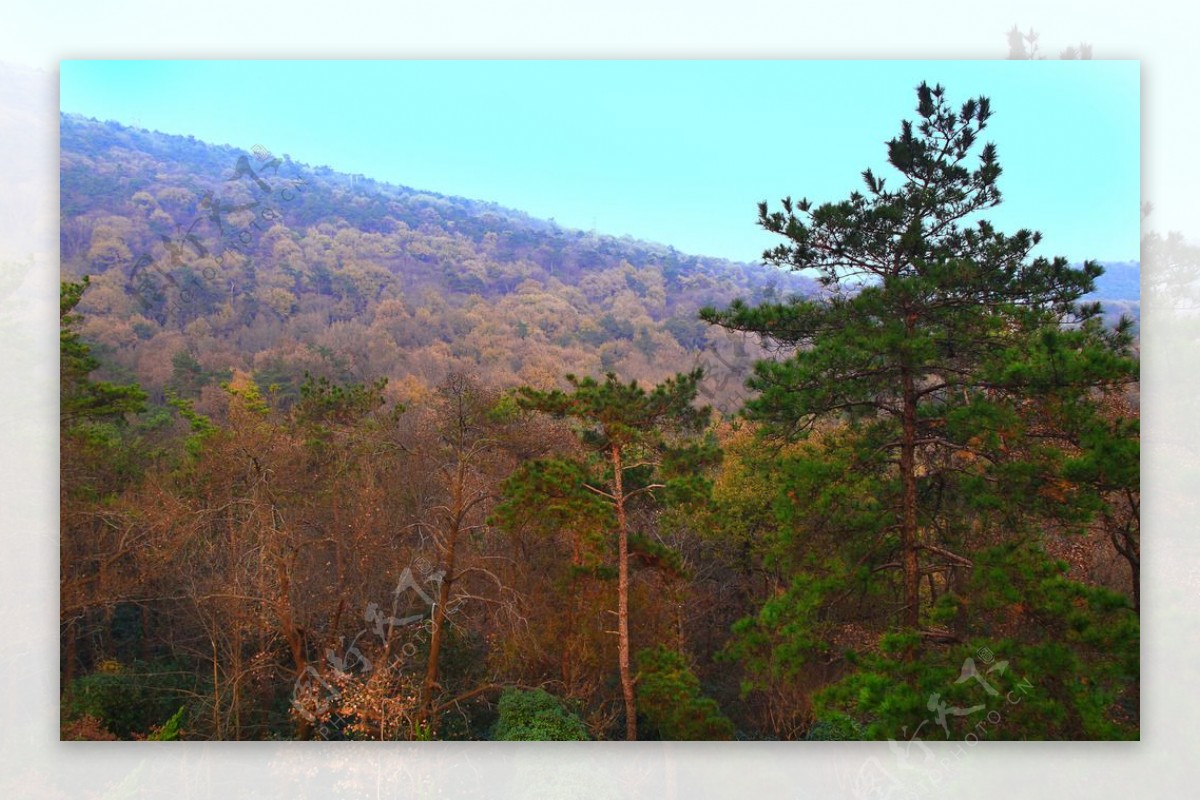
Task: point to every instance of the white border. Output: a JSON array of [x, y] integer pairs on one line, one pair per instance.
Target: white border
[[32, 761]]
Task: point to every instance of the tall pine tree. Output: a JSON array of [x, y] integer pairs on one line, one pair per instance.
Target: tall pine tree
[[932, 328]]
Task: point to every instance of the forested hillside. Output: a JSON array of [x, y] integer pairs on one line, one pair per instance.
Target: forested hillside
[[204, 259], [347, 460]]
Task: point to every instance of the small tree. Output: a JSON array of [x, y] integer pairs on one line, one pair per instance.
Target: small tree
[[465, 455], [629, 428], [671, 700]]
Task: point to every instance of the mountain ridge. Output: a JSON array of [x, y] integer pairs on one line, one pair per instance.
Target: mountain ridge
[[217, 258], [187, 242], [1120, 281]]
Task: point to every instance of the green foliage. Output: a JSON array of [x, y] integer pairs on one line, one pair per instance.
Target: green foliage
[[324, 401], [913, 291], [616, 413], [536, 715], [652, 553], [835, 727], [941, 362], [281, 381], [188, 377], [1053, 658], [201, 427], [655, 435], [951, 393], [636, 436], [551, 494], [81, 399], [324, 404], [169, 731], [786, 634], [670, 699], [504, 410], [98, 444], [248, 392], [939, 345], [127, 700], [829, 535]]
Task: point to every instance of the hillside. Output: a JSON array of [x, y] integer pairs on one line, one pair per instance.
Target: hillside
[[208, 258]]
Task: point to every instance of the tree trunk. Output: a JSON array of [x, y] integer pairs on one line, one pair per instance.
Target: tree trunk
[[623, 597], [1127, 544], [292, 635], [908, 523], [430, 684], [72, 654], [569, 626], [454, 524]]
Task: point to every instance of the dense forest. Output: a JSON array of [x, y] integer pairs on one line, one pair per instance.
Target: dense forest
[[233, 260], [348, 460]]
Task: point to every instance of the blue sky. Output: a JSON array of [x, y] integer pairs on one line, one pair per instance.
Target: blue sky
[[678, 152]]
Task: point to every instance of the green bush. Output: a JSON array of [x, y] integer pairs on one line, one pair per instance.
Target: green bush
[[669, 698], [126, 700], [835, 727], [536, 715]]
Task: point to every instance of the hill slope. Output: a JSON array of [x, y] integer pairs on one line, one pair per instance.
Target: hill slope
[[206, 258]]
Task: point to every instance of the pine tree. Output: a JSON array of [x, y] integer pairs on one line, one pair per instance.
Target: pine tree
[[931, 329], [629, 429], [83, 399]]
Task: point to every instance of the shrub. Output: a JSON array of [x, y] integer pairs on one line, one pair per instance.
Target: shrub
[[536, 715], [669, 698], [124, 700]]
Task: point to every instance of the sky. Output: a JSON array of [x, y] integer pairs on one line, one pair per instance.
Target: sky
[[677, 152]]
